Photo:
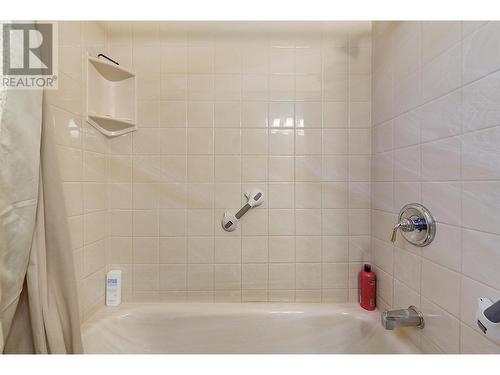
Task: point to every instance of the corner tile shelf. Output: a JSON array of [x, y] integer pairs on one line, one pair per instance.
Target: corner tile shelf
[[111, 98], [111, 127]]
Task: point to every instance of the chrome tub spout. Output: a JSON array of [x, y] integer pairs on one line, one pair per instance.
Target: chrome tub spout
[[410, 317]]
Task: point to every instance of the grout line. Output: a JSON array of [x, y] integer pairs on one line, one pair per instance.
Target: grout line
[[322, 242], [294, 210], [421, 156], [461, 191], [439, 97], [241, 165], [349, 130]]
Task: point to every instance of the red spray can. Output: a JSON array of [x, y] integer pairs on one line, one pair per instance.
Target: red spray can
[[367, 288]]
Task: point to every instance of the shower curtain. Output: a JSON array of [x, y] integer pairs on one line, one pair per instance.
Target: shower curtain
[[38, 297]]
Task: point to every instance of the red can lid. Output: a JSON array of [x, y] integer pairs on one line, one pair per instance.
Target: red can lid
[[368, 268]]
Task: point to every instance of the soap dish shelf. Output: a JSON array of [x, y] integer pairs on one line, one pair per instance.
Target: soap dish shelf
[[111, 126], [110, 71], [111, 97]]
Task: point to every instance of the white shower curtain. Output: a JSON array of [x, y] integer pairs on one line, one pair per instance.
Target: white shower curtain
[[19, 169], [38, 298]]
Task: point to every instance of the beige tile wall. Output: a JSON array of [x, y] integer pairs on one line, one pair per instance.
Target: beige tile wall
[[223, 108], [82, 159], [436, 140]]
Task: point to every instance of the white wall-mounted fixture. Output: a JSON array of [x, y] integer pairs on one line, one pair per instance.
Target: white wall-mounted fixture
[[230, 221], [111, 97], [488, 318]]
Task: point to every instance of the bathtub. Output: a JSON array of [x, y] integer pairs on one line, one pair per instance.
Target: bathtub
[[243, 328]]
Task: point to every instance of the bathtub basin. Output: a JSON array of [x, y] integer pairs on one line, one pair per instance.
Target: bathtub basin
[[243, 328]]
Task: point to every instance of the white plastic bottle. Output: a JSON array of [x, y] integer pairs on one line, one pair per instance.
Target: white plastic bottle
[[114, 288]]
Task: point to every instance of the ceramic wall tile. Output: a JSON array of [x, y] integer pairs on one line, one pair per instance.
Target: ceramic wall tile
[[435, 143]]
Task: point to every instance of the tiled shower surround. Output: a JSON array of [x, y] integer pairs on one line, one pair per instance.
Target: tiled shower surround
[[225, 108], [82, 155], [222, 108], [287, 108], [436, 140]]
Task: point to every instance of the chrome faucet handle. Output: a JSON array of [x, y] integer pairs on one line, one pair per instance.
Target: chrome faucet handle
[[406, 225], [395, 232]]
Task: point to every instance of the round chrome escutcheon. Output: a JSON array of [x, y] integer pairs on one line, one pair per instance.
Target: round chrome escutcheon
[[425, 231]]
